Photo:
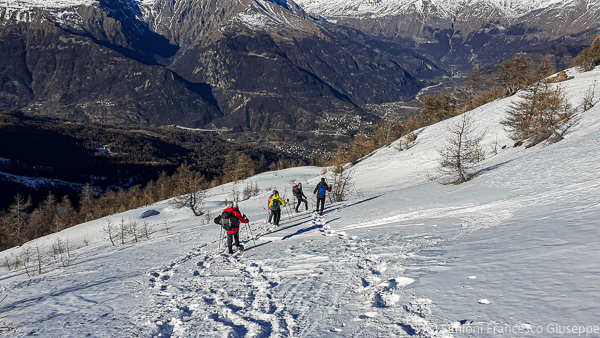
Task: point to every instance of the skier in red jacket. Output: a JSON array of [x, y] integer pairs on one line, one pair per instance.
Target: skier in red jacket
[[230, 220]]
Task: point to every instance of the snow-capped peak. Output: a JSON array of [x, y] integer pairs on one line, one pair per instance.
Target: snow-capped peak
[[55, 4], [23, 10], [439, 8]]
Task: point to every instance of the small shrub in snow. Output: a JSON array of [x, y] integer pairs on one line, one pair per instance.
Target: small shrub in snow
[[25, 256], [123, 231], [33, 259], [341, 180], [250, 190], [13, 264], [6, 327], [166, 225], [234, 193], [589, 99], [146, 230], [62, 249], [495, 146], [208, 217], [133, 230], [110, 231], [560, 77], [40, 258], [407, 141]]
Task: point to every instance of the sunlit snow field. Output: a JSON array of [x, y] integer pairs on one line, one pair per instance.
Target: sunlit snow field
[[515, 249]]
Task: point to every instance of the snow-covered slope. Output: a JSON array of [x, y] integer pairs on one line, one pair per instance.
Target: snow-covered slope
[[514, 249]]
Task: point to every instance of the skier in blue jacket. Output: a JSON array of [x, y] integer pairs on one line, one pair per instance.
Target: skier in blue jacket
[[320, 191]]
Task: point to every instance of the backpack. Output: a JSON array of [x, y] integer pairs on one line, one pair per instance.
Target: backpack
[[294, 189], [275, 205], [321, 192], [228, 220], [269, 202]]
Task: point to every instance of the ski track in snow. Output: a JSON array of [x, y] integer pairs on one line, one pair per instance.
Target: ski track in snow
[[295, 294]]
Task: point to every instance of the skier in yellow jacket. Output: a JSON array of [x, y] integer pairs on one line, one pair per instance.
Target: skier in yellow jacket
[[275, 204]]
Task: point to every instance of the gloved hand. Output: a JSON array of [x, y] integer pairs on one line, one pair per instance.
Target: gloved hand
[[246, 218]]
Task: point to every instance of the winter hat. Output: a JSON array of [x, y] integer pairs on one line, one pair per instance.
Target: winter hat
[[275, 192], [229, 204]]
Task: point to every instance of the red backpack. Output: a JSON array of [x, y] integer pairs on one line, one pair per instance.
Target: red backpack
[[269, 202], [294, 189]]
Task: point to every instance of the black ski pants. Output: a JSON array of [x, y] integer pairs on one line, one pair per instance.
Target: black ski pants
[[300, 200], [276, 216], [231, 238], [320, 200]]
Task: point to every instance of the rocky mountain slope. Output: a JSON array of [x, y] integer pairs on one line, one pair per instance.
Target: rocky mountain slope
[[94, 69], [256, 65], [463, 33]]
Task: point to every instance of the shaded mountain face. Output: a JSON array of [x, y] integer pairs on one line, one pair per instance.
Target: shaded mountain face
[[48, 70], [250, 65]]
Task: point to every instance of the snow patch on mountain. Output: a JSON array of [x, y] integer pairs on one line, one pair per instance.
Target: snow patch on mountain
[[259, 15], [445, 9], [60, 11], [53, 4], [45, 4], [269, 13]]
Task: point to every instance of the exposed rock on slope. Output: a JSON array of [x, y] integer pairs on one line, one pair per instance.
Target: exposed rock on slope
[[48, 70]]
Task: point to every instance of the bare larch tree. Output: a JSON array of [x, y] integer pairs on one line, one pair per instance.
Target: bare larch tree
[[462, 153]]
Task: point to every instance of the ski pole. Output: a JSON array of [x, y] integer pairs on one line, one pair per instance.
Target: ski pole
[[284, 193], [250, 230], [220, 238], [268, 214], [288, 210]]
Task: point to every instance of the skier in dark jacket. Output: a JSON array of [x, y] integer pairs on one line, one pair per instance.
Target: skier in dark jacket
[[231, 224], [320, 190], [300, 197]]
